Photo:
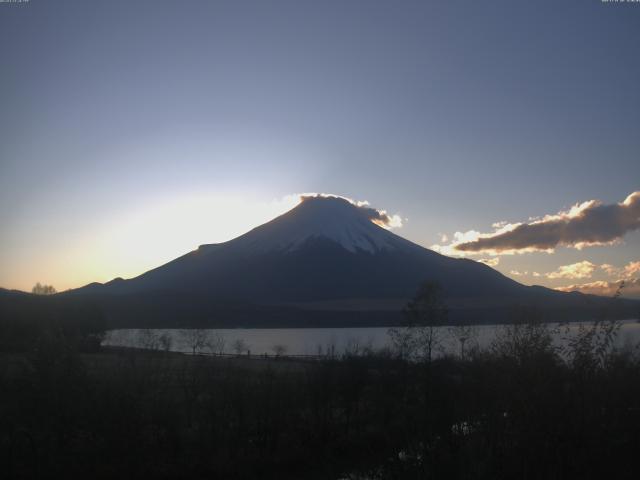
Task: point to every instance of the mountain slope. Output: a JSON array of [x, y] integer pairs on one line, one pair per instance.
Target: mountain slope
[[320, 256], [325, 248]]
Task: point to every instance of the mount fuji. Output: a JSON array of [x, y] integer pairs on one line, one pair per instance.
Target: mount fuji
[[327, 262]]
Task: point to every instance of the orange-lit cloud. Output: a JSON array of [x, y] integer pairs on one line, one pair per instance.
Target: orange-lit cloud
[[610, 269], [627, 274], [458, 238], [492, 262], [630, 270], [578, 270], [605, 288], [585, 224]]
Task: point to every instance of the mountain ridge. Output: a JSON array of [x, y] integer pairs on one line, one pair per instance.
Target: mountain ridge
[[318, 257]]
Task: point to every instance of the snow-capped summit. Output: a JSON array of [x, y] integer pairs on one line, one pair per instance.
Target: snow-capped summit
[[327, 247], [326, 255], [353, 227]]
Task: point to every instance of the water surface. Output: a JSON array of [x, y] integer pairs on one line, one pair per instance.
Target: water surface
[[321, 341]]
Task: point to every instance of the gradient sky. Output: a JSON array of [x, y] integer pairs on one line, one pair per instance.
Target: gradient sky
[[133, 131]]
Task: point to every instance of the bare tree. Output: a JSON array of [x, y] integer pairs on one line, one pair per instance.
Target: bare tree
[[279, 350], [589, 347], [464, 335], [195, 339], [165, 341], [216, 343], [403, 341], [423, 315], [352, 348], [527, 337], [239, 346], [149, 339]]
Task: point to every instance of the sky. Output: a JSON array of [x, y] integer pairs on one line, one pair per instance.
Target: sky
[[133, 131]]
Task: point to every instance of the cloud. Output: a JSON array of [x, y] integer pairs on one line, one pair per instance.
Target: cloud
[[631, 269], [610, 269], [379, 217], [458, 238], [605, 288], [627, 274], [585, 224], [382, 218], [574, 271], [492, 262], [628, 271]]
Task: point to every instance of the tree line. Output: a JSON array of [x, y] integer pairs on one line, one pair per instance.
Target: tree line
[[521, 408]]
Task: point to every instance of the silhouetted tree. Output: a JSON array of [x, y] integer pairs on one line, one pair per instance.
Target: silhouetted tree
[[195, 338], [589, 348], [216, 343], [39, 289], [423, 314], [239, 346], [149, 339], [165, 342], [464, 335], [527, 337], [279, 350]]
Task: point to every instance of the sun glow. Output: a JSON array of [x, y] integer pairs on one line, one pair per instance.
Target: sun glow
[[159, 232], [156, 231], [148, 235]]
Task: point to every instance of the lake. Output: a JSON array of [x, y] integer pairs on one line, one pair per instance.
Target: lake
[[319, 341]]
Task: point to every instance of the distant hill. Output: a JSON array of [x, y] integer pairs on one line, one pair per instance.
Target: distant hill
[[8, 293], [325, 262], [26, 319]]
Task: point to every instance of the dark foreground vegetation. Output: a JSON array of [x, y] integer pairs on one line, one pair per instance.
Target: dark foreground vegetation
[[517, 411], [521, 409]]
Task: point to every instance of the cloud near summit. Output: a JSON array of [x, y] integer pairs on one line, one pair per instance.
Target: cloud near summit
[[586, 224], [379, 217]]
